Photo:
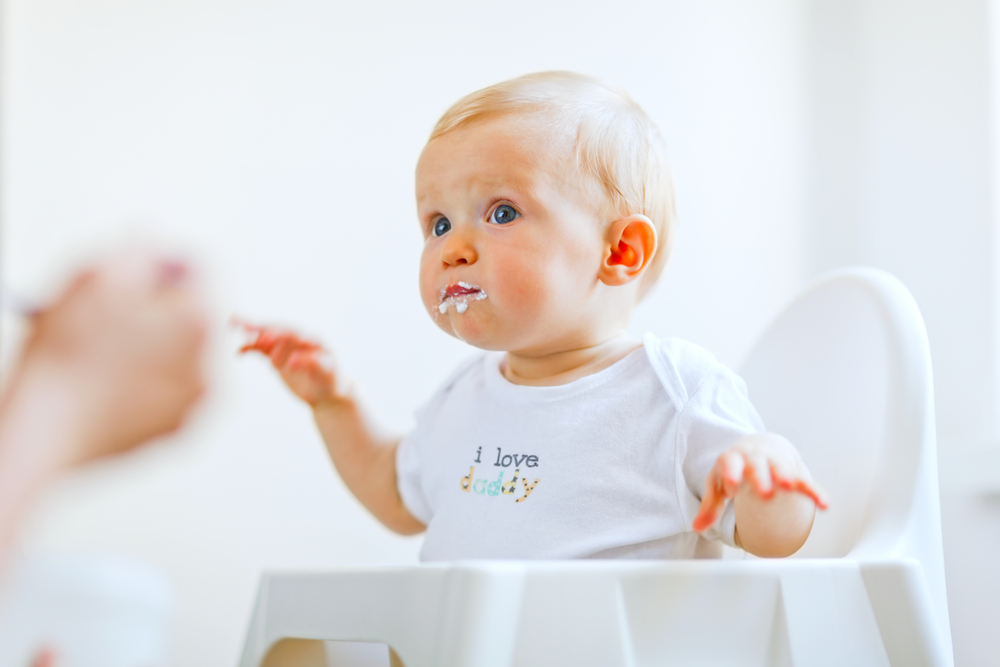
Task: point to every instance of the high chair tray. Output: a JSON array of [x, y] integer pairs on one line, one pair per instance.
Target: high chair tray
[[783, 613]]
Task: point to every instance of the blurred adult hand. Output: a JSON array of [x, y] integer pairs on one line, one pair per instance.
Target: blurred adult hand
[[118, 355], [114, 361], [44, 659]]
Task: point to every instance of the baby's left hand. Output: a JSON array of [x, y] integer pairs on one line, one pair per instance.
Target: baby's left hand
[[762, 462]]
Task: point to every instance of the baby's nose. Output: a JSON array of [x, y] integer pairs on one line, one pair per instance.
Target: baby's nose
[[458, 249]]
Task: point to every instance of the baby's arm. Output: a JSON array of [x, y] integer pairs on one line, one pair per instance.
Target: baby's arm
[[366, 462], [774, 495]]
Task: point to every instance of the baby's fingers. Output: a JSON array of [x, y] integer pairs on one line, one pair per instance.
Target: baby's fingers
[[790, 481], [309, 377], [732, 468], [287, 344], [722, 482], [813, 491], [711, 504], [758, 473], [275, 343], [262, 342], [282, 349]]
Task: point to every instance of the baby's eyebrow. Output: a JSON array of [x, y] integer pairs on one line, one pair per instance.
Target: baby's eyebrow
[[491, 183], [480, 186]]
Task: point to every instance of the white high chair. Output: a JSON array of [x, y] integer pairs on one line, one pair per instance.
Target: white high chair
[[845, 374]]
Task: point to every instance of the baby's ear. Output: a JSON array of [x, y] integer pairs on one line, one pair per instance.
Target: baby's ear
[[630, 244]]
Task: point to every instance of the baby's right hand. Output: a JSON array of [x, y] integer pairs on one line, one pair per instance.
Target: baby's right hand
[[300, 362]]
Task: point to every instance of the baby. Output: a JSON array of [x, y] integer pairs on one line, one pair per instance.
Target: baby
[[546, 207]]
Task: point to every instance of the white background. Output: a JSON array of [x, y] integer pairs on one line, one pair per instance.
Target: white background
[[275, 142]]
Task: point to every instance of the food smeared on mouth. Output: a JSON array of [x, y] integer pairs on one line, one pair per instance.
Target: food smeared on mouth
[[460, 294]]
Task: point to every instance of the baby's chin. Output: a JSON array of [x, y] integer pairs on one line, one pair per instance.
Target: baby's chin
[[470, 327]]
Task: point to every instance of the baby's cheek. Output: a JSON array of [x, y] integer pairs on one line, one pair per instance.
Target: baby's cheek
[[525, 288], [428, 291]]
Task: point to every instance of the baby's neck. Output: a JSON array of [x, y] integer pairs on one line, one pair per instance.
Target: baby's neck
[[558, 367]]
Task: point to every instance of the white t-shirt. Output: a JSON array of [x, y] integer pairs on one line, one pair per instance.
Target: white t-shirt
[[612, 465]]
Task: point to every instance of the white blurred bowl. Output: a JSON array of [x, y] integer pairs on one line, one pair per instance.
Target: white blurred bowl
[[92, 611]]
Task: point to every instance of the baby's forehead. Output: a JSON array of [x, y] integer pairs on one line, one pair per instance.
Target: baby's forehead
[[515, 149]]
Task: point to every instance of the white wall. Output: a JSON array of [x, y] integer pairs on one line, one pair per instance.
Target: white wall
[[902, 155], [900, 176], [277, 140]]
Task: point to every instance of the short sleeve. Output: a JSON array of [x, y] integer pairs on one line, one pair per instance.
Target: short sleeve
[[409, 453], [408, 478], [717, 414]]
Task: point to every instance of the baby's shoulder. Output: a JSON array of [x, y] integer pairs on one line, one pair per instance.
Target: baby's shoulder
[[682, 366]]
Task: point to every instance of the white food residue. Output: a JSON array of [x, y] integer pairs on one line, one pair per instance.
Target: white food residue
[[460, 301]]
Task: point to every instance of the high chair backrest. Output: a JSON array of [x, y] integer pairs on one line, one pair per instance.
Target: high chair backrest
[[845, 374]]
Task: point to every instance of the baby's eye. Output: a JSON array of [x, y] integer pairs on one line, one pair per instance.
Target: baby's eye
[[441, 226], [503, 214]]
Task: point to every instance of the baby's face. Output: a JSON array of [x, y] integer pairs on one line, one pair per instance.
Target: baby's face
[[512, 245]]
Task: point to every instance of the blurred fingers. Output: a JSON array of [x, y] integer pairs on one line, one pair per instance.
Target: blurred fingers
[[282, 349], [262, 342], [711, 504], [782, 475], [789, 480], [732, 465], [278, 346], [758, 473], [298, 361], [812, 490], [723, 482]]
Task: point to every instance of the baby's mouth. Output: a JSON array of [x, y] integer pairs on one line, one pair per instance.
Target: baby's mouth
[[460, 294]]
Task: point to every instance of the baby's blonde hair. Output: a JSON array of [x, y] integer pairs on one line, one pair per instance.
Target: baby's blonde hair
[[615, 142]]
